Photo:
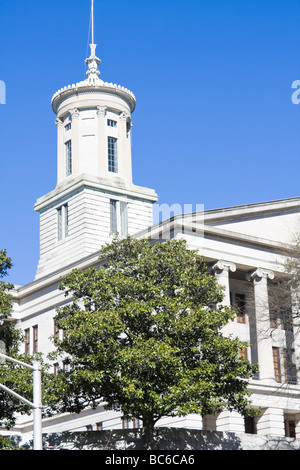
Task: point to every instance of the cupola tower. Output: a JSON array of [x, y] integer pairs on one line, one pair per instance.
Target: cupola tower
[[95, 197]]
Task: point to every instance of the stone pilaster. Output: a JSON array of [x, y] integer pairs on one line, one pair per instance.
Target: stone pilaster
[[271, 422], [230, 421]]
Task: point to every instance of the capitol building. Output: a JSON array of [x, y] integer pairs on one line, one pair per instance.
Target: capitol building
[[95, 198]]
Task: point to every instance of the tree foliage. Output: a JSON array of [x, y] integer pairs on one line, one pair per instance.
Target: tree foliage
[[11, 375], [143, 334]]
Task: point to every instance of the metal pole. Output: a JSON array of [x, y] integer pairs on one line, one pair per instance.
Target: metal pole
[[37, 398], [37, 406]]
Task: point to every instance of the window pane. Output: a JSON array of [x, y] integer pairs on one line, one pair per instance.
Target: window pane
[[124, 218], [113, 216], [276, 361], [112, 155], [68, 147], [66, 220], [59, 223]]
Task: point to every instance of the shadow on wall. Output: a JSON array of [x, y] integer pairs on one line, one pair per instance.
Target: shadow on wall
[[165, 439]]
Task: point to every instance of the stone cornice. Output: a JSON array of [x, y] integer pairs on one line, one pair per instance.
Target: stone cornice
[[85, 87], [86, 181], [249, 211]]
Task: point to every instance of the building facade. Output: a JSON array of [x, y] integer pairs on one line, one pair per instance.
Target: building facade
[[95, 198]]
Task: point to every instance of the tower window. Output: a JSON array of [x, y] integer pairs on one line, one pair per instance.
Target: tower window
[[68, 152], [118, 217], [68, 127], [112, 155], [111, 123], [113, 216], [123, 218], [62, 222]]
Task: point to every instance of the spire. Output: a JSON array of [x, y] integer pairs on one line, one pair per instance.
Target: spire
[[93, 61]]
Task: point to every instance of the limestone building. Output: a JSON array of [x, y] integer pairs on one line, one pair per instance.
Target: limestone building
[[95, 197]]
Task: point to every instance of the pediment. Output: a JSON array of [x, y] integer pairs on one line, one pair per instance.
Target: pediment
[[277, 221]]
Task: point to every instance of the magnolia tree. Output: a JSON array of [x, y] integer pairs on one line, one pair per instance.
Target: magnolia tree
[[143, 333], [10, 337]]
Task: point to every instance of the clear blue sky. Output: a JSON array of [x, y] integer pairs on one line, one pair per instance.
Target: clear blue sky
[[214, 122]]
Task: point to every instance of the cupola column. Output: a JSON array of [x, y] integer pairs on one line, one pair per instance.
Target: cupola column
[[102, 139], [75, 140], [125, 168]]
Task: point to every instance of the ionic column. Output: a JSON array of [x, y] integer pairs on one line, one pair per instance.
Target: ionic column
[[264, 341], [222, 269], [60, 150], [124, 148], [75, 141], [102, 140]]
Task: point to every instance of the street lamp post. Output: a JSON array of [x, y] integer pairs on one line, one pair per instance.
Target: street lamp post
[[36, 405]]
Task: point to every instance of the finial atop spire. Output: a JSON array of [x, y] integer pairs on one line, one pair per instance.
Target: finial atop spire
[[93, 61]]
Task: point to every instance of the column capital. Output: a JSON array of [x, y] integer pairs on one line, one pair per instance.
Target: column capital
[[58, 122], [101, 111], [260, 273], [74, 113], [222, 265], [124, 116]]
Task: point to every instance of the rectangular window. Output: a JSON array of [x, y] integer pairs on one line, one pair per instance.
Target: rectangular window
[[68, 153], [35, 338], [27, 341], [68, 127], [111, 123], [250, 427], [118, 217], [243, 353], [59, 224], [276, 362], [112, 155], [66, 220], [113, 216], [124, 218], [62, 222]]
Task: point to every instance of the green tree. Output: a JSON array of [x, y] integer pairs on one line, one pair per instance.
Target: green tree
[[143, 333]]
